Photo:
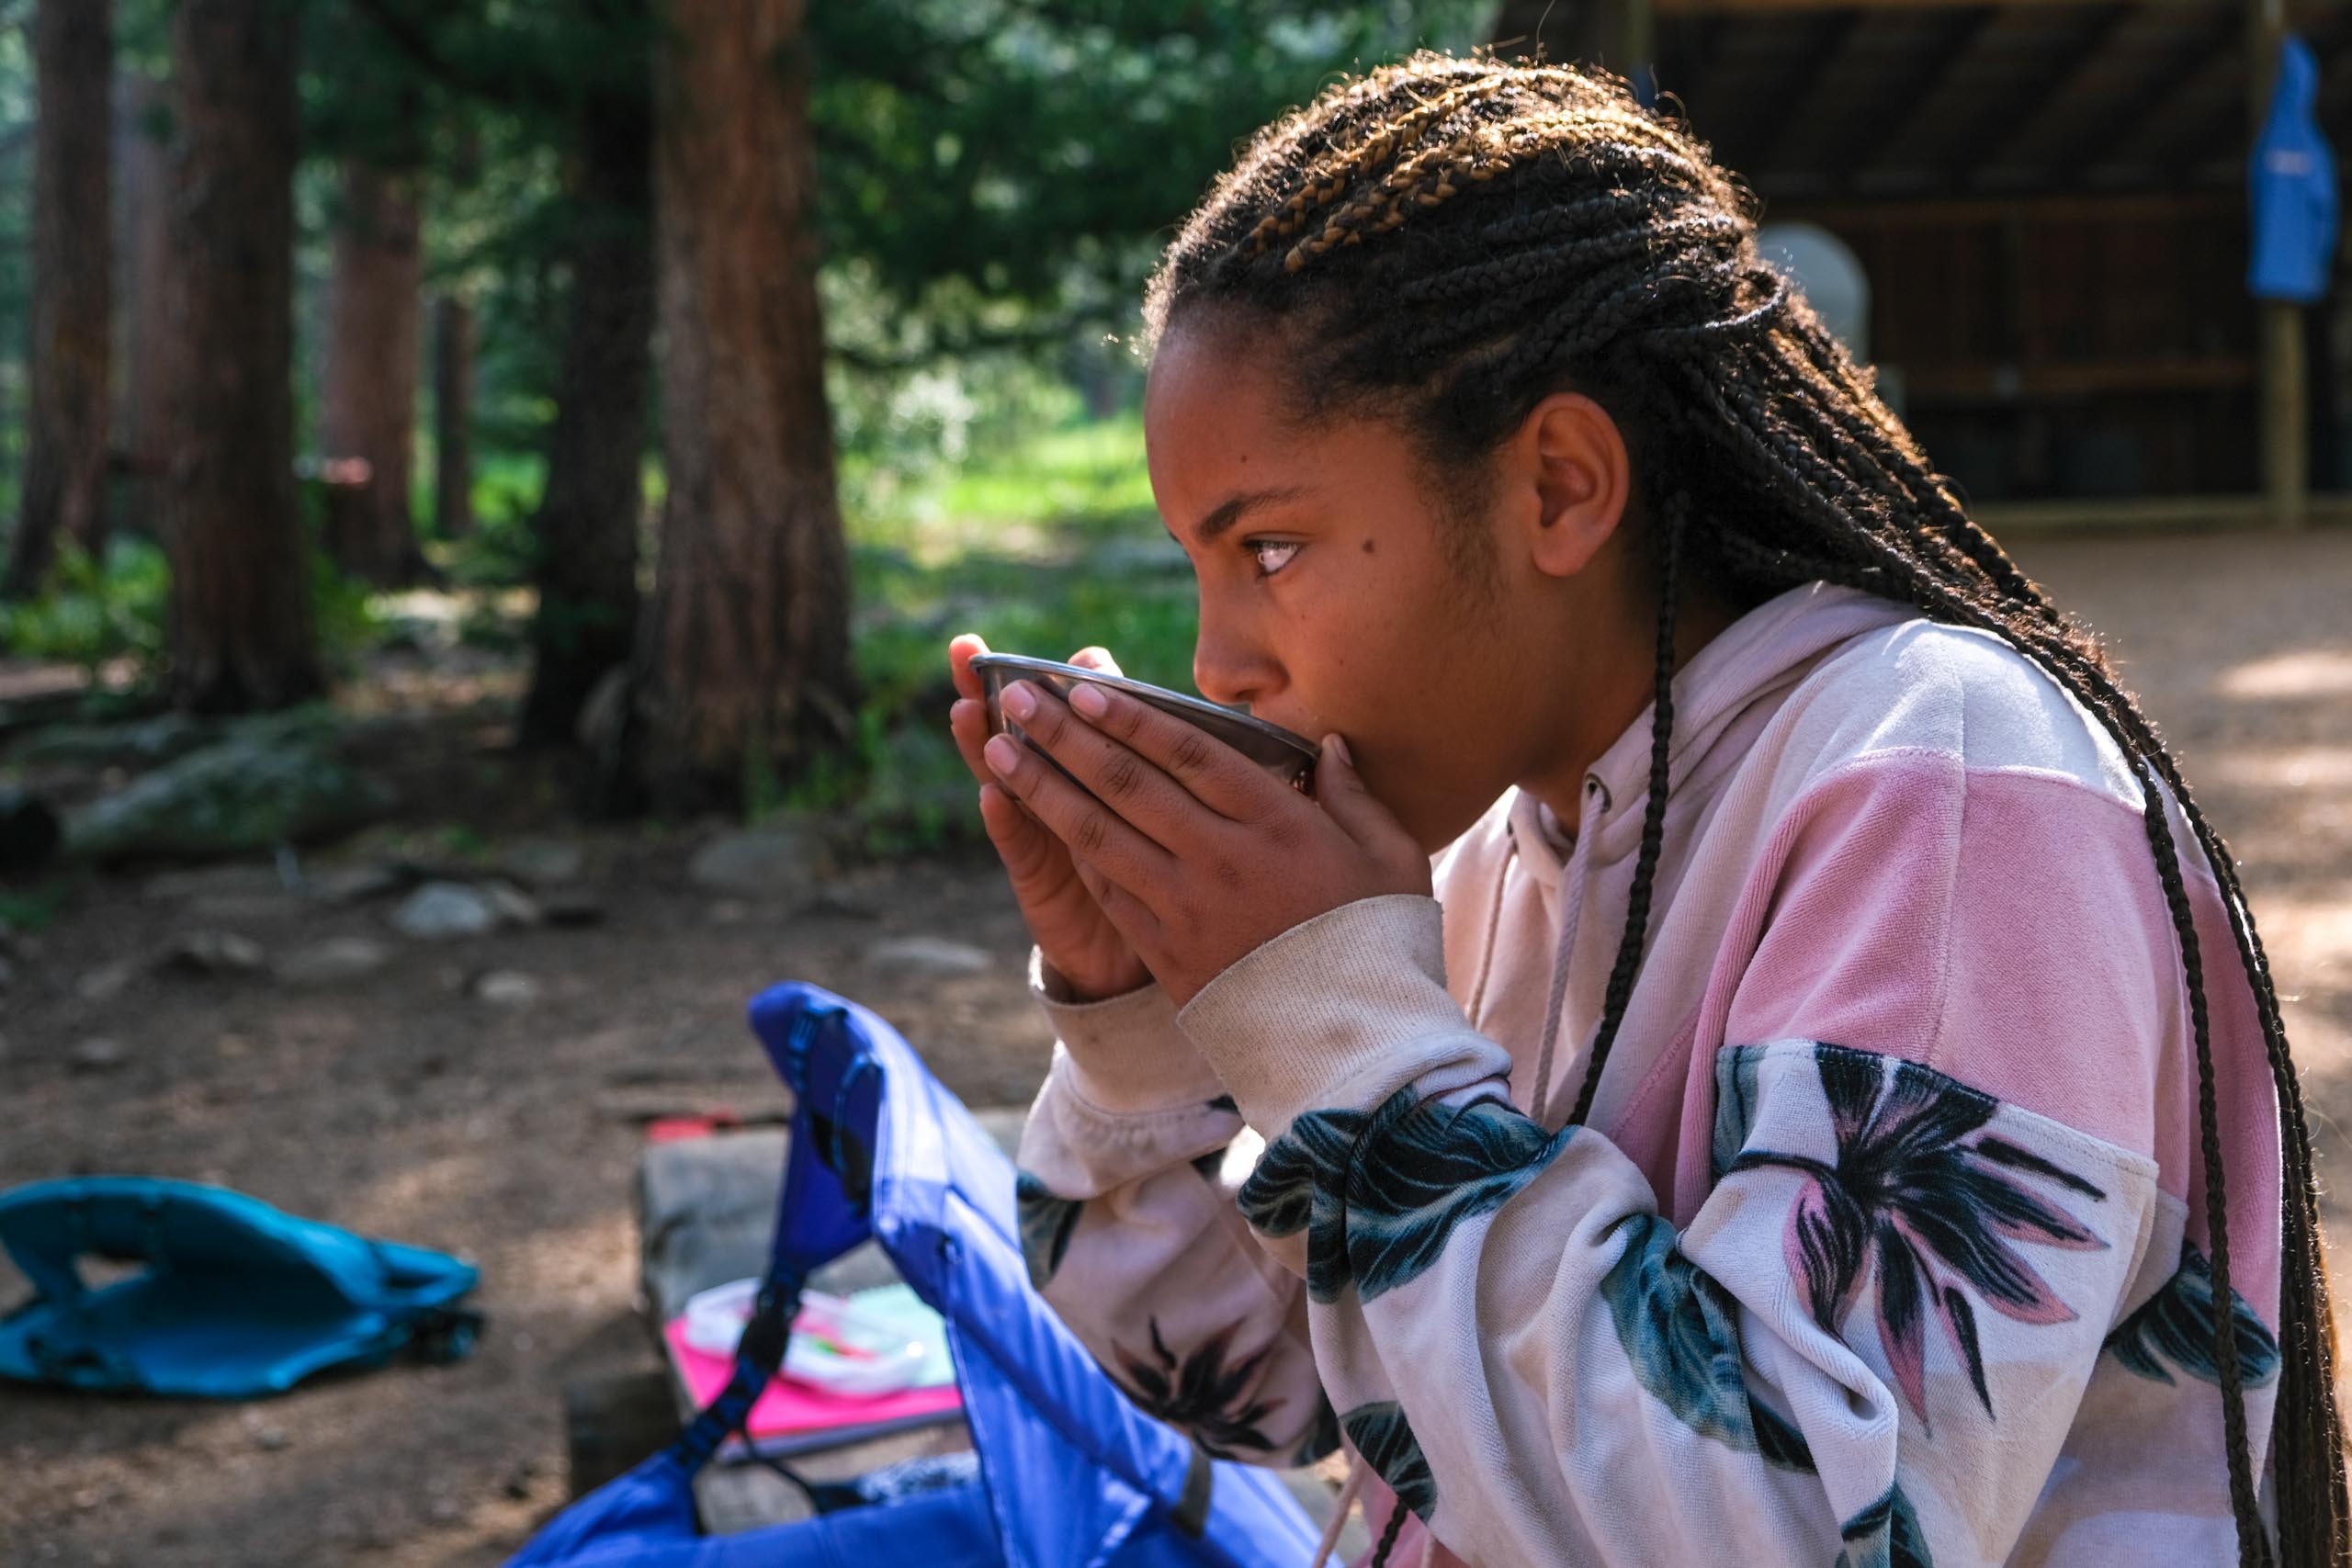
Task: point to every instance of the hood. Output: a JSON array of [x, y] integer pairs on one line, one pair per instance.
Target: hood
[[1762, 655]]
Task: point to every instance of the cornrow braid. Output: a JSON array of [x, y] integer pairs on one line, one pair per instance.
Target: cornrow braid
[[1538, 231]]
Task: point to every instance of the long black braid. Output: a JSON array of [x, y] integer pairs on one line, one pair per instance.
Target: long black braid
[[1446, 241]]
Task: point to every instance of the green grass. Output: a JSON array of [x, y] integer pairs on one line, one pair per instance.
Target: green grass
[[1046, 547]]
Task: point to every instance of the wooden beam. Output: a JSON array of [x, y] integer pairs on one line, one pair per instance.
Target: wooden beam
[[1883, 70], [1975, 211], [2063, 87], [2063, 381], [1831, 29], [2147, 513], [2203, 67], [2012, 65]]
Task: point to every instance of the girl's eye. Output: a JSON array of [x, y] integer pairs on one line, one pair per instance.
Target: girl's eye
[[1272, 555]]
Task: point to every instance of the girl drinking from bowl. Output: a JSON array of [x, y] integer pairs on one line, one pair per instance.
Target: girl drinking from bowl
[[1758, 1055]]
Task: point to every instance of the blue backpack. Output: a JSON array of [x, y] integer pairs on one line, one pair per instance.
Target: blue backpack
[[1070, 1473], [237, 1298]]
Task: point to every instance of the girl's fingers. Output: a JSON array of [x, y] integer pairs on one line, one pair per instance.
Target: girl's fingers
[[1143, 796], [1094, 834], [1128, 915], [1022, 843], [967, 721], [1213, 773], [961, 649]]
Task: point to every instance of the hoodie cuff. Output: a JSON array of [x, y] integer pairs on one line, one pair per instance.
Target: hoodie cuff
[[1124, 1054], [1339, 1012]]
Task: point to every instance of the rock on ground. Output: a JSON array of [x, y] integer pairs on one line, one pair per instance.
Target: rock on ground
[[334, 962], [766, 863], [443, 911], [264, 786], [929, 957]]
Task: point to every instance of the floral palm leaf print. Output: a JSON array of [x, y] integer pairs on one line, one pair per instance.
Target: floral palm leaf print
[[1885, 1535], [1380, 1433], [1322, 1437], [1199, 1392], [1936, 1215], [1047, 1222], [1379, 1193], [1737, 1069], [1679, 1329], [2175, 1324]]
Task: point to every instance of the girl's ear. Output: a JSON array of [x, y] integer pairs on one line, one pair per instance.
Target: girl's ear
[[1570, 476]]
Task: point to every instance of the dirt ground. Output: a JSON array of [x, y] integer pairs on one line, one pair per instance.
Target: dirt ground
[[404, 1105]]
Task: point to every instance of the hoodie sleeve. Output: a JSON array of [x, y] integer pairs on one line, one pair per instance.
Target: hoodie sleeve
[[1132, 1232], [1869, 1344]]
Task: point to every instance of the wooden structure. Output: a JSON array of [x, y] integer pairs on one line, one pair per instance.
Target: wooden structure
[[2049, 198]]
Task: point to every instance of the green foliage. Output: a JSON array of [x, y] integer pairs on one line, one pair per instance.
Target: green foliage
[[1045, 546], [95, 611], [977, 151], [32, 908]]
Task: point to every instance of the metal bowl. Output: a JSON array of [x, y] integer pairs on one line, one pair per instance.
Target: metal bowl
[[1290, 758]]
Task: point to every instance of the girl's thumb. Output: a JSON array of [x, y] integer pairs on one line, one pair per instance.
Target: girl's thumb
[[1339, 790]]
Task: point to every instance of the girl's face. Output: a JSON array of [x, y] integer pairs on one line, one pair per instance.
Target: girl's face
[[1336, 594]]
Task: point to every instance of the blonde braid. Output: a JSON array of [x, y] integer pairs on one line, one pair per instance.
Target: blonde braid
[[1325, 185]]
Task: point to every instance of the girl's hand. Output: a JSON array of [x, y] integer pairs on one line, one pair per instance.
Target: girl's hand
[[1077, 939], [1195, 853]]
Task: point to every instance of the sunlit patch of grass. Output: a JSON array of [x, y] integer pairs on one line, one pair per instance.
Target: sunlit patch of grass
[[1043, 549]]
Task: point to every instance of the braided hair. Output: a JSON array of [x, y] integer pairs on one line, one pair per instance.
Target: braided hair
[[1445, 241]]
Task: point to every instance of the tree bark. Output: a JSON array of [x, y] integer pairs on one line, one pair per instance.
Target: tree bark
[[66, 457], [746, 671], [372, 365], [241, 629], [453, 416], [142, 443], [586, 530]]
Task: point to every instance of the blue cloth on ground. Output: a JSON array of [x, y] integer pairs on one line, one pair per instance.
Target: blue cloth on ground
[[237, 1298], [1071, 1473]]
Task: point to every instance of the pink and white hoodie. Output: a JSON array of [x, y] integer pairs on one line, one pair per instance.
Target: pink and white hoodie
[[1884, 1241]]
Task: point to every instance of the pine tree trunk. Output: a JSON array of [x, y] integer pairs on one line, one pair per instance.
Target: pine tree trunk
[[66, 457], [453, 418], [142, 438], [747, 670], [586, 530], [241, 631], [371, 365]]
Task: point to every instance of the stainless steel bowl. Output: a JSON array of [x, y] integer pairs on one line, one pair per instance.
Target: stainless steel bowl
[[1290, 758]]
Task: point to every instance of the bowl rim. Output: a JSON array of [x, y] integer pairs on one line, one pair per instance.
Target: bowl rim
[[1024, 664]]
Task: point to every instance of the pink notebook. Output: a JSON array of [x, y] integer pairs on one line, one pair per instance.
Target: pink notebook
[[791, 1416]]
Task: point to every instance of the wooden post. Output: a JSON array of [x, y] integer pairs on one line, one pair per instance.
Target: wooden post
[[2285, 409]]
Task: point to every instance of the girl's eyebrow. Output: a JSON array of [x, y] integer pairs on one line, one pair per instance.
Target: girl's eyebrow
[[1235, 508]]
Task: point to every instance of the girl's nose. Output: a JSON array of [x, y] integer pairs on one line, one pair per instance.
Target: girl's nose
[[1230, 670]]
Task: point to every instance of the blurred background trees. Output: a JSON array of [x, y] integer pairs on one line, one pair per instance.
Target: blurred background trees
[[304, 303]]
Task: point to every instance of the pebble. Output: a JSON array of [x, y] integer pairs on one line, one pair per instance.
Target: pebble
[[761, 862], [929, 957], [99, 1055], [266, 1434], [543, 862], [105, 982], [441, 912], [506, 988], [335, 961], [212, 952]]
